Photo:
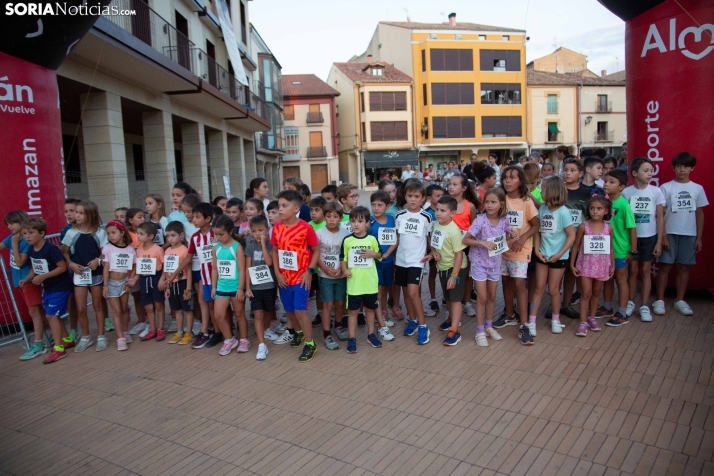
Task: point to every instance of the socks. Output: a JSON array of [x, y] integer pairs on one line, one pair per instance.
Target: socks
[[298, 333], [532, 318], [290, 331], [608, 305], [67, 339], [59, 348], [480, 329], [622, 311], [556, 317], [325, 334], [489, 323], [311, 343]]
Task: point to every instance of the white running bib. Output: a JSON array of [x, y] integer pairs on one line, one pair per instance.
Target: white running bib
[[596, 245], [146, 266], [577, 217], [84, 279], [121, 262], [346, 225], [226, 268], [683, 202], [356, 260], [501, 246], [387, 236], [515, 218], [13, 263], [260, 275], [40, 266], [205, 254], [288, 260], [437, 239], [411, 226], [548, 223], [642, 205], [171, 263], [331, 261]]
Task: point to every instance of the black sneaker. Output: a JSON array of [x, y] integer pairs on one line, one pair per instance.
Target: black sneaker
[[474, 297], [505, 320], [344, 322], [308, 352], [617, 320], [576, 298], [524, 334], [569, 312], [361, 320], [317, 322], [549, 313], [297, 340], [434, 306], [214, 339]]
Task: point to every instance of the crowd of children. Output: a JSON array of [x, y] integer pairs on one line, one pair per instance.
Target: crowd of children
[[209, 259]]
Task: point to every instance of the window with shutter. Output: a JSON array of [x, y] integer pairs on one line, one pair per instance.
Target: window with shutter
[[452, 93], [468, 126], [400, 101], [439, 127], [467, 93], [453, 127], [466, 60], [500, 93], [387, 102], [423, 60], [501, 126], [513, 60], [486, 60], [400, 131], [423, 93], [438, 93], [289, 113], [426, 129], [376, 131], [388, 130], [451, 60], [375, 101], [437, 60]]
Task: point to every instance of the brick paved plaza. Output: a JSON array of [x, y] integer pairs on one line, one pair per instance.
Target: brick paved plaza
[[631, 400]]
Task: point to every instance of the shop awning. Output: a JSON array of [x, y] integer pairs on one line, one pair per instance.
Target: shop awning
[[390, 158], [553, 127]]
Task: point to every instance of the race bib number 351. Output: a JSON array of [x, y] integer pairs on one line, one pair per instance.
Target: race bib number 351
[[356, 260]]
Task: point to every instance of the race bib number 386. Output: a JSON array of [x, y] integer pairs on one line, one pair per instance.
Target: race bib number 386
[[288, 260]]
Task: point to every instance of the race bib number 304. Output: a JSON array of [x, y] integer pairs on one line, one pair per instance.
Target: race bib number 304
[[409, 227]]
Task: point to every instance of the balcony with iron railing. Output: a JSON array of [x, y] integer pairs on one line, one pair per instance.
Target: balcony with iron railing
[[604, 136], [315, 118], [151, 28], [271, 140], [316, 152], [553, 136], [603, 106]]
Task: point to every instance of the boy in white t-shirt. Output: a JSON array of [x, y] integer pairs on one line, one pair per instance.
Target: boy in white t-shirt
[[413, 233], [684, 225], [647, 203]]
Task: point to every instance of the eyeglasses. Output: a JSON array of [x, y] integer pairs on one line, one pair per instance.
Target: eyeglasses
[[356, 195]]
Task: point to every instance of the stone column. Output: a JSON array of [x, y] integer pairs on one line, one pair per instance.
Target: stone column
[[195, 164], [251, 171], [159, 155], [237, 166], [218, 159], [105, 156]]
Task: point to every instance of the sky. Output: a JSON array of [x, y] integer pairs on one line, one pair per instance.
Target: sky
[[308, 36]]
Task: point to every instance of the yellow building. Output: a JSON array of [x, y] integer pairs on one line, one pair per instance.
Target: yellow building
[[376, 121], [469, 81]]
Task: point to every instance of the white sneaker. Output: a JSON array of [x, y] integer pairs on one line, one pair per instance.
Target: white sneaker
[[385, 333], [281, 328], [469, 309], [137, 328], [492, 333], [172, 326], [555, 327], [532, 328], [658, 307], [630, 308], [146, 330], [262, 352], [270, 335], [683, 308], [284, 339], [645, 315], [481, 340], [388, 322], [429, 312]]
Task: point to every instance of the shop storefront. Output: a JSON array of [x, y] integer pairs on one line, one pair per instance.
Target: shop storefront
[[377, 164]]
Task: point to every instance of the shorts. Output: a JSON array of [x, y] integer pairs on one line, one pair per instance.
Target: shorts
[[56, 303], [196, 275], [32, 294], [514, 269], [295, 298], [479, 273], [532, 264], [96, 281], [263, 300], [207, 289], [227, 295], [116, 287], [176, 300], [560, 264], [332, 290], [385, 273], [354, 303], [681, 250], [645, 248], [456, 294], [405, 276], [150, 290], [620, 263]]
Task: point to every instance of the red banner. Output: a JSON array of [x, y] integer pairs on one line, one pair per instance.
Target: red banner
[[670, 106]]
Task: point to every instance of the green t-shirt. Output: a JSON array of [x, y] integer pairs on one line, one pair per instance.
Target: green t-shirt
[[364, 278], [622, 221], [537, 194], [447, 241]]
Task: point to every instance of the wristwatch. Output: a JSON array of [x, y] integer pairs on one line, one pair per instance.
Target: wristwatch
[[635, 253], [311, 270]]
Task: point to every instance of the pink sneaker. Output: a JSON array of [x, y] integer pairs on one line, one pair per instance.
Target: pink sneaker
[[128, 338], [121, 344], [243, 346], [582, 329], [228, 346], [592, 324], [398, 314]]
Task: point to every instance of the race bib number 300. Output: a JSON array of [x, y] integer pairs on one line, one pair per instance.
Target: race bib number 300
[[288, 260]]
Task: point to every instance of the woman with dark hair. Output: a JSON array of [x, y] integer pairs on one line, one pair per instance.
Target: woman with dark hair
[[622, 159], [258, 188]]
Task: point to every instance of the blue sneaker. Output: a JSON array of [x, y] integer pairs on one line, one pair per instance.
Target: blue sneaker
[[351, 345], [411, 327], [372, 339], [423, 336], [452, 338], [444, 326]]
